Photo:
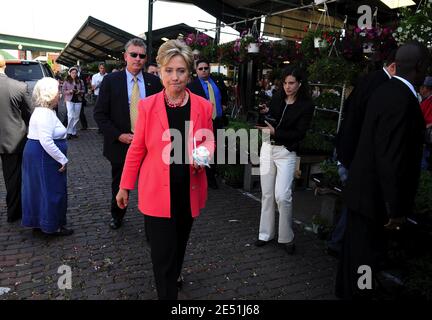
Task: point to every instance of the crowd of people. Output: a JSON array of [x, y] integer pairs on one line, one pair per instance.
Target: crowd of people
[[144, 116]]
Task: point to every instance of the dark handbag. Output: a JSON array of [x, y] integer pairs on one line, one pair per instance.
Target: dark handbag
[[428, 136]]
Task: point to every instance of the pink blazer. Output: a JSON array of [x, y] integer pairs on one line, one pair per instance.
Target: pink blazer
[[149, 155]]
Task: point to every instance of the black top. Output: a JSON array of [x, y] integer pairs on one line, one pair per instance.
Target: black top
[[177, 117], [292, 120]]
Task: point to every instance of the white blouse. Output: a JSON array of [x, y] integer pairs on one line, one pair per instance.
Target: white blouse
[[46, 127]]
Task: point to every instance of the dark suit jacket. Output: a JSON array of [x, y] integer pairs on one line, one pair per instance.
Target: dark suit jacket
[[354, 113], [15, 111], [384, 174], [111, 111], [295, 122], [196, 87]]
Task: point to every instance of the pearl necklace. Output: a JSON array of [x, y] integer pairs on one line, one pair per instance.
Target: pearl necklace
[[173, 104]]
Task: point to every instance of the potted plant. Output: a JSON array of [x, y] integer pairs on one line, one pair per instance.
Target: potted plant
[[415, 25]]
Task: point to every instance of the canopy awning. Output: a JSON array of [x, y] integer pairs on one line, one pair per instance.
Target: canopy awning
[[95, 41]]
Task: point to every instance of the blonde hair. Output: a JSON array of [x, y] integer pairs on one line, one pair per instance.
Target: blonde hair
[[45, 92], [173, 48]]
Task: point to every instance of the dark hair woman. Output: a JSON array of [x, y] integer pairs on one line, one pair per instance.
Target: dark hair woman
[[288, 117]]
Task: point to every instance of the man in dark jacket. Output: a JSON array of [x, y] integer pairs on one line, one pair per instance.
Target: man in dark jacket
[[349, 133], [112, 113], [215, 91], [15, 111], [384, 173]]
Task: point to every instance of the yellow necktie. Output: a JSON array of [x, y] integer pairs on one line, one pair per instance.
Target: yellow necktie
[[133, 107], [212, 99]]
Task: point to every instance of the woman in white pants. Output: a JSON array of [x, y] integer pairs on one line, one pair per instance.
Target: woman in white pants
[[287, 119], [73, 92]]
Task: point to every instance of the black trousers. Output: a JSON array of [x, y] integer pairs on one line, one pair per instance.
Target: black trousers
[[365, 243], [12, 177], [168, 239], [116, 172], [82, 117]]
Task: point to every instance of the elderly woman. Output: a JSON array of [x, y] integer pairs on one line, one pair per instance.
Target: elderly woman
[[288, 118], [172, 186], [44, 190], [73, 92]]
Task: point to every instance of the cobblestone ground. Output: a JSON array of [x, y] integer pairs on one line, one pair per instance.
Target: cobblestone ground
[[221, 261]]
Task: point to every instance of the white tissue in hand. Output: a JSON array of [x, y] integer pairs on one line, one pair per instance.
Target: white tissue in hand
[[201, 156]]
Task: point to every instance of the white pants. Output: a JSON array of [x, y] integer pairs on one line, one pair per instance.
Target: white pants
[[73, 112], [277, 168]]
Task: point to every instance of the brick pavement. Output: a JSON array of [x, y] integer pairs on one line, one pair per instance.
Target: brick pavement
[[221, 261]]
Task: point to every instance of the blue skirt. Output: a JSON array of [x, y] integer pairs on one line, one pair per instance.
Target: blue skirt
[[44, 188]]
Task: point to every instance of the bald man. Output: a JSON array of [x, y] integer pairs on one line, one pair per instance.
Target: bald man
[[15, 114], [384, 173]]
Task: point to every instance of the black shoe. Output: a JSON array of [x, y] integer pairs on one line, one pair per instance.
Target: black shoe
[[180, 281], [289, 247], [69, 136], [260, 243], [115, 223], [63, 232], [74, 136]]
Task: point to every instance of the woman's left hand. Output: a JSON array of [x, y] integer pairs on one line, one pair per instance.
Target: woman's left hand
[[197, 168], [269, 127]]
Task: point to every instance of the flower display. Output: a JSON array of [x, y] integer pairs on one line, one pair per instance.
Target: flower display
[[197, 41], [415, 25]]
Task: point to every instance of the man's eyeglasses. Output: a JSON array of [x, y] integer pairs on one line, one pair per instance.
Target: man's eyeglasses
[[134, 55], [203, 68]]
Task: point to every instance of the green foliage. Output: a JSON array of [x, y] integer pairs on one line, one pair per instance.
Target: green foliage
[[328, 100], [332, 70], [232, 174], [423, 200], [315, 142], [330, 172]]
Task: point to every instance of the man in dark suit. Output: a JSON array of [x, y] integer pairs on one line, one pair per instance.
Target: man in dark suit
[[349, 134], [215, 91], [15, 111], [115, 113], [384, 173]]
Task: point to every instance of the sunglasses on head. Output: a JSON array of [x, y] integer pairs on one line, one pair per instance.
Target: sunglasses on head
[[203, 68], [134, 55]]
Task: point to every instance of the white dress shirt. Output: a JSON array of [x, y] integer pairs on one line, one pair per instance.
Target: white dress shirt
[[46, 127], [96, 81]]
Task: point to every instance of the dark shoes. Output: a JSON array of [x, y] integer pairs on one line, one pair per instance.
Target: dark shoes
[[115, 223], [260, 243], [72, 136], [63, 232]]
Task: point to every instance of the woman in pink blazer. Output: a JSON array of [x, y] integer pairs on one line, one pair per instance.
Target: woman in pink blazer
[[172, 186]]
